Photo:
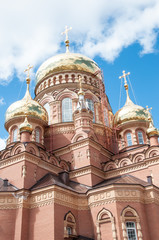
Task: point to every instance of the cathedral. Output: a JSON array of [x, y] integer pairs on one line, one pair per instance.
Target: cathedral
[[71, 168]]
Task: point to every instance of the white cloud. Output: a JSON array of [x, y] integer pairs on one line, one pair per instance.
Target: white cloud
[[30, 30], [2, 143], [2, 102]]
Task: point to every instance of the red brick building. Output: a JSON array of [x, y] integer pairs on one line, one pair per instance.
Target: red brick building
[[73, 170]]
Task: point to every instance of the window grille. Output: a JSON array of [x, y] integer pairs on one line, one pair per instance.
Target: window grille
[[15, 134], [131, 230], [140, 137], [66, 110], [129, 139]]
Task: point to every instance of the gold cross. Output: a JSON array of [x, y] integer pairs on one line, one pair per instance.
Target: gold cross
[[28, 71], [124, 76], [66, 32], [148, 109]]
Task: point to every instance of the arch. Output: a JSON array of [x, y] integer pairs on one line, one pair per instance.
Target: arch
[[66, 93], [110, 166], [33, 149], [54, 161], [138, 158], [18, 148], [46, 99], [64, 165], [129, 209], [78, 137], [106, 217], [152, 151], [43, 155], [69, 225], [89, 94], [6, 154], [130, 217], [124, 162]]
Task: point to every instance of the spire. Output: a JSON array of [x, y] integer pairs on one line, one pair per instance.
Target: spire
[[128, 100], [27, 94], [66, 40]]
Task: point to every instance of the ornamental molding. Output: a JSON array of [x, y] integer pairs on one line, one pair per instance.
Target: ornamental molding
[[86, 170], [43, 197], [71, 147], [26, 156], [132, 167], [62, 128], [114, 194], [93, 198], [84, 142]]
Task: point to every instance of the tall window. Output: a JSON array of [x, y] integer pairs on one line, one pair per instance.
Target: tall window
[[131, 230], [69, 230], [129, 139], [15, 135], [91, 107], [69, 225], [140, 137], [47, 107], [37, 135], [67, 110]]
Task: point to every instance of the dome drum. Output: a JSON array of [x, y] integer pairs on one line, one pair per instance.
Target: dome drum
[[68, 62], [67, 78]]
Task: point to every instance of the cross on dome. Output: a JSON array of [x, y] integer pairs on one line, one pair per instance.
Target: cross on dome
[[124, 76], [66, 40], [28, 71]]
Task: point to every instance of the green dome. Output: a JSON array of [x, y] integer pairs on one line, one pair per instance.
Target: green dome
[[64, 62]]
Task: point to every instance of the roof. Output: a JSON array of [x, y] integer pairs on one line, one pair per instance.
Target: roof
[[124, 179], [52, 179], [5, 186]]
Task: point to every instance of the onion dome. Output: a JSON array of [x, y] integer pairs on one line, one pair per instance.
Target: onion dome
[[152, 131], [26, 107], [130, 111], [26, 126], [66, 62]]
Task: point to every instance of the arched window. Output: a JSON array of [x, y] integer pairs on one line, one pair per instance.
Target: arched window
[[106, 228], [47, 107], [37, 135], [67, 110], [131, 230], [90, 104], [106, 121], [131, 226], [69, 225], [15, 134], [129, 139], [140, 137]]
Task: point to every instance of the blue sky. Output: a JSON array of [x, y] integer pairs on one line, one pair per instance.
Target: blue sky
[[118, 36]]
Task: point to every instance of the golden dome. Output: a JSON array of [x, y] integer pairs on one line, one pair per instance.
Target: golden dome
[[130, 112], [152, 131], [26, 107], [66, 61], [25, 126]]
